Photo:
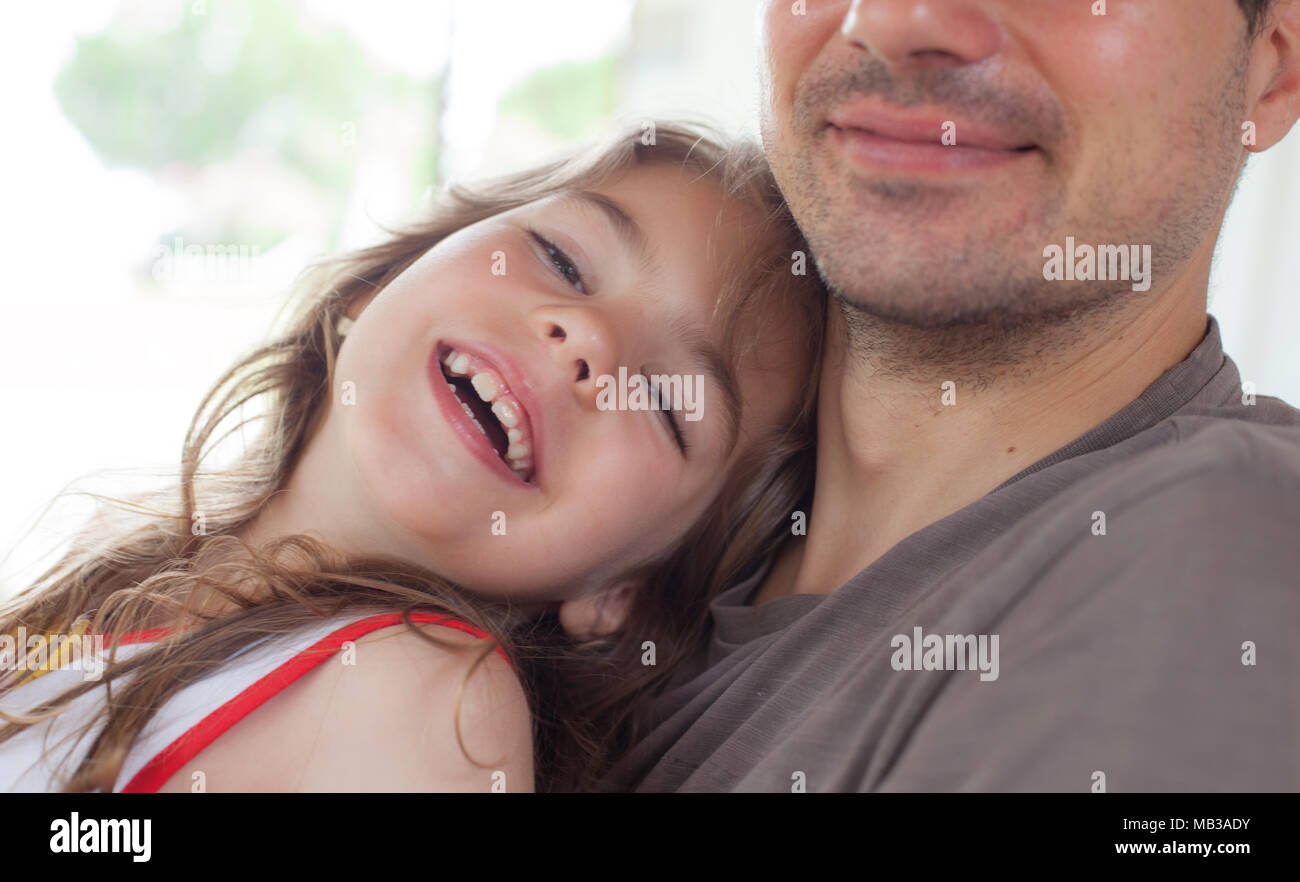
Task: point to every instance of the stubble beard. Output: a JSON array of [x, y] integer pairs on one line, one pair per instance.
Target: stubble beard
[[980, 308]]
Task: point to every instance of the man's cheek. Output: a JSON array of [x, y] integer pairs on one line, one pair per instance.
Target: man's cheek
[[1136, 62], [792, 36]]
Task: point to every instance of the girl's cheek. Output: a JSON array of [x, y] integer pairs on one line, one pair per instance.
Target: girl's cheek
[[629, 470]]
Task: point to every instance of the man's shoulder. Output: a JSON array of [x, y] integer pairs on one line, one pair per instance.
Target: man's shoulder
[[1214, 479], [1202, 527], [1233, 402], [1211, 508], [1242, 446], [1265, 419], [1147, 619], [1244, 460]]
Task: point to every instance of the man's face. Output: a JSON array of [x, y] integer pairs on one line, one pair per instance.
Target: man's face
[[932, 149]]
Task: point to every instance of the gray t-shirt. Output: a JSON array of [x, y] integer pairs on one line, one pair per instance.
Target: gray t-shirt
[[1143, 584]]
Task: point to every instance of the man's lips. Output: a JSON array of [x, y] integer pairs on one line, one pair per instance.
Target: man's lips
[[488, 402], [886, 138]]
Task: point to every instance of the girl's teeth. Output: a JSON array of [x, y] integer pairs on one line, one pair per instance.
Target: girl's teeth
[[506, 414], [488, 386], [485, 385], [469, 413]]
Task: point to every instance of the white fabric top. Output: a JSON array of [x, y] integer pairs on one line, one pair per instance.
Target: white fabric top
[[32, 759]]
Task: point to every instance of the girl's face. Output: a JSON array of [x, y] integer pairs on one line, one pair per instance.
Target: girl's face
[[546, 489]]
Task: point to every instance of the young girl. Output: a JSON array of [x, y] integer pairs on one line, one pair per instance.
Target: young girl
[[453, 503]]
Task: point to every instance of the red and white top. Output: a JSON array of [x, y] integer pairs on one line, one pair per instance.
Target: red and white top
[[190, 720]]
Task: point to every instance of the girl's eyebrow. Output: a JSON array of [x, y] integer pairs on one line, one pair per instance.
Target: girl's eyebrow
[[629, 232]]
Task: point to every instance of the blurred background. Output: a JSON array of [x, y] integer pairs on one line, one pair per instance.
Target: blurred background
[[171, 165]]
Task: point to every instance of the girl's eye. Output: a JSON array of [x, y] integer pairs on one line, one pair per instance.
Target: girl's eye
[[676, 430], [565, 267], [670, 420]]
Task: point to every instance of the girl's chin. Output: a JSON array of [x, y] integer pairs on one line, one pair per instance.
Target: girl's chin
[[523, 600]]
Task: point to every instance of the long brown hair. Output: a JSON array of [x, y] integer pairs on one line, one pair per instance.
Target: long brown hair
[[138, 563]]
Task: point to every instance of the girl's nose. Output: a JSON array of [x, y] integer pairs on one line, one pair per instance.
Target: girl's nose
[[583, 342]]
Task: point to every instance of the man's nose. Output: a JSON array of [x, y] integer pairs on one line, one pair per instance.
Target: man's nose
[[907, 34], [583, 343]]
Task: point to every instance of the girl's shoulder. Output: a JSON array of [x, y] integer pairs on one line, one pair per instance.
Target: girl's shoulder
[[358, 704]]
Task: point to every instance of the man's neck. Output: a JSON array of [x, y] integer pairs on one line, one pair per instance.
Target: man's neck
[[893, 458]]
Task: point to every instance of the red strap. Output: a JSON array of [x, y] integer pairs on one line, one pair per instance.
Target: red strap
[[159, 770], [150, 635]]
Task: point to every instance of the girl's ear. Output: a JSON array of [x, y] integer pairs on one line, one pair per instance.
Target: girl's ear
[[597, 614]]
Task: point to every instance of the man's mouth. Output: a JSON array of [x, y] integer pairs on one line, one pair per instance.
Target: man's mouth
[[482, 392], [884, 137]]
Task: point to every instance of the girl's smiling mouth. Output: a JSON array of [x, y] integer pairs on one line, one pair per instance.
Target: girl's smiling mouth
[[489, 417]]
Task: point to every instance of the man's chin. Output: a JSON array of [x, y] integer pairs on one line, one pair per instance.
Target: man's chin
[[1004, 302]]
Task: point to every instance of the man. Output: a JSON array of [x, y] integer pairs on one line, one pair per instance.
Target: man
[[1054, 543]]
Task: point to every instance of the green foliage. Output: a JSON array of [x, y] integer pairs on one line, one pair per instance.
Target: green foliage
[[149, 99], [568, 100], [244, 82]]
